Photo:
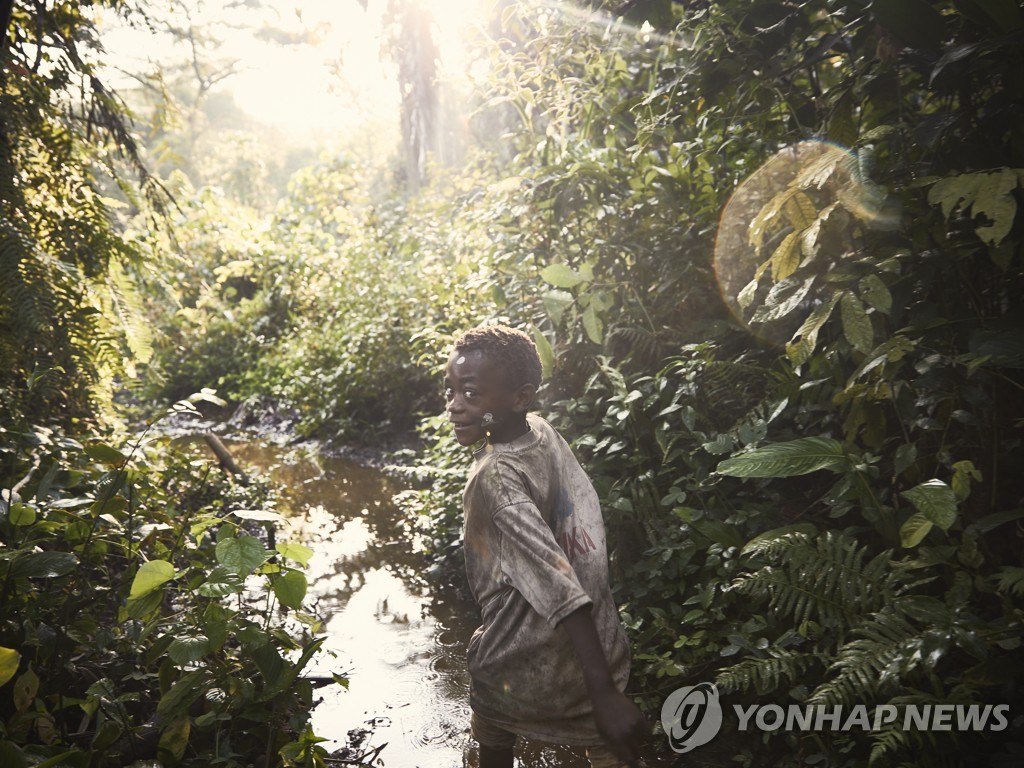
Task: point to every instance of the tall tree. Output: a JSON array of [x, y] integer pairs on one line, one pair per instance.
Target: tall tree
[[65, 298]]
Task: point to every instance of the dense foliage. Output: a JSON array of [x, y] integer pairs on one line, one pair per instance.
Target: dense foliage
[[809, 476], [145, 612]]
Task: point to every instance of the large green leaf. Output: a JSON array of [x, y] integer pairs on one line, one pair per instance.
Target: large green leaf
[[105, 454], [9, 661], [935, 500], [561, 276], [188, 649], [187, 689], [856, 323], [150, 576], [297, 552], [21, 514], [995, 202], [797, 457], [220, 585], [44, 565], [241, 554], [290, 588], [914, 530]]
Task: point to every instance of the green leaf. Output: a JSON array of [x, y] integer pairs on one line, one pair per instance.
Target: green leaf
[[9, 661], [268, 662], [935, 500], [592, 325], [800, 210], [187, 650], [856, 323], [963, 473], [800, 352], [949, 192], [544, 351], [109, 506], [995, 201], [174, 740], [757, 544], [876, 293], [11, 755], [105, 454], [914, 530], [988, 522], [786, 257], [290, 588], [44, 565], [25, 689], [297, 552], [150, 576], [555, 304], [142, 608], [796, 457], [187, 689], [21, 514], [561, 276], [220, 582], [241, 554]]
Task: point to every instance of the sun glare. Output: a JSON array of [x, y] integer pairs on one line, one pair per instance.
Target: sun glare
[[316, 66]]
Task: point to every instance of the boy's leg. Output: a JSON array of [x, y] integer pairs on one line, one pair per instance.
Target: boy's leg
[[495, 743]]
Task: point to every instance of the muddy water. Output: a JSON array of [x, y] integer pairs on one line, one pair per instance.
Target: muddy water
[[400, 639]]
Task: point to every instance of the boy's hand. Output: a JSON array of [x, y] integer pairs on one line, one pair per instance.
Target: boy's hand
[[620, 723], [618, 719]]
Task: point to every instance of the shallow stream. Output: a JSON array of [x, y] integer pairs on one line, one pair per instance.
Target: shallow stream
[[400, 639]]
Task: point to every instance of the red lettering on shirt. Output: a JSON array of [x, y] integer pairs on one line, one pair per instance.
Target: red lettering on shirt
[[576, 542]]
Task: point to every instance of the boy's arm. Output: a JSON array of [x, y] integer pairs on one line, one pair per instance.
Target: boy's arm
[[618, 719]]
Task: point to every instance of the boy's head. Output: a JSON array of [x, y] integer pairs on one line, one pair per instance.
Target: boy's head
[[492, 370], [510, 350]]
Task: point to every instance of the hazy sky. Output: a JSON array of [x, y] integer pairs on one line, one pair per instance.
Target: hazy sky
[[309, 66]]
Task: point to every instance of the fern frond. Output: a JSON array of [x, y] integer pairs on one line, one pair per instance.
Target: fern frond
[[127, 307], [823, 578], [1010, 580], [784, 666], [888, 647]]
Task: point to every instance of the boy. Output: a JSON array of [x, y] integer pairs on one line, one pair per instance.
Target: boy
[[550, 659]]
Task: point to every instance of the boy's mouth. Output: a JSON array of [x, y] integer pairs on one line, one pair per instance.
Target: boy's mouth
[[462, 427]]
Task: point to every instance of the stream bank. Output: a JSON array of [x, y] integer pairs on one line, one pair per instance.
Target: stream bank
[[399, 638]]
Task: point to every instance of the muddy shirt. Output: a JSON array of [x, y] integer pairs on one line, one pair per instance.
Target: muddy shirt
[[535, 552]]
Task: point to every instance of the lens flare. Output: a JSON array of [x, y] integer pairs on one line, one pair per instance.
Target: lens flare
[[787, 225]]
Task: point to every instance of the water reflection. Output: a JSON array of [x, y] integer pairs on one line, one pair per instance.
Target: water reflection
[[400, 640]]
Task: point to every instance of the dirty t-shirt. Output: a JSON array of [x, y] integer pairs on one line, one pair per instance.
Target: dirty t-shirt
[[535, 552]]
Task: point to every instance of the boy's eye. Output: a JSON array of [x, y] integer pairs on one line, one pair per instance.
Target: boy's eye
[[469, 394], [449, 393]]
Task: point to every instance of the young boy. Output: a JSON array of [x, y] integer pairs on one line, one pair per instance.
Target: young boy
[[550, 660]]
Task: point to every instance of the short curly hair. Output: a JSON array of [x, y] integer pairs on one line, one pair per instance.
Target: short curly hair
[[509, 348]]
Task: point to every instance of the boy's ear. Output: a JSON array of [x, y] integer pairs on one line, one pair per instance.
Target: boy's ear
[[524, 398]]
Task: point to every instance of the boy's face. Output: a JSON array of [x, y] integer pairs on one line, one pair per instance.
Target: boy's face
[[475, 385]]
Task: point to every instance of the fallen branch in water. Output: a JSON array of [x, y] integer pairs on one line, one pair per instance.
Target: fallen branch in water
[[225, 458]]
